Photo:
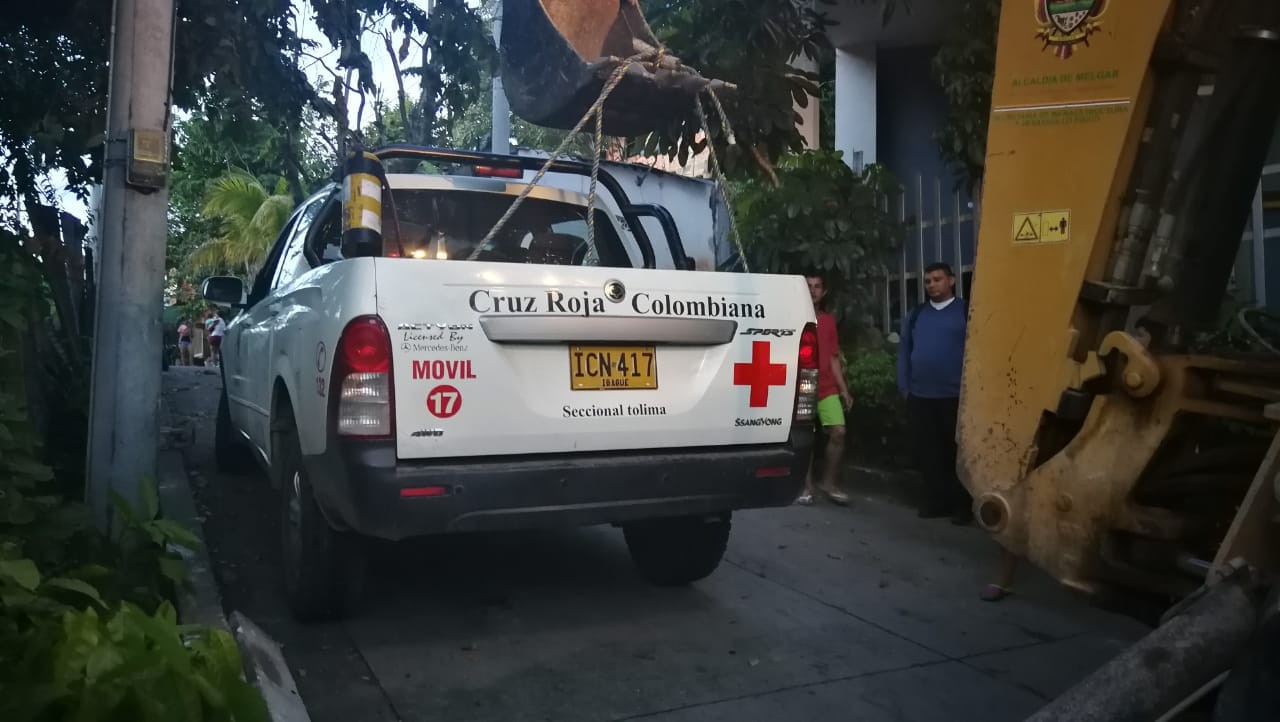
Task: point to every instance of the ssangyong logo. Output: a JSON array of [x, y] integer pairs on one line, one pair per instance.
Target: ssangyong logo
[[767, 421], [778, 332]]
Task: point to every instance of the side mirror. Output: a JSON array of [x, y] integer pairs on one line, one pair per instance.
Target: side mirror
[[223, 290]]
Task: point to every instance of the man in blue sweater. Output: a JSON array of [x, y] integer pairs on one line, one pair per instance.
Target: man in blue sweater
[[930, 359]]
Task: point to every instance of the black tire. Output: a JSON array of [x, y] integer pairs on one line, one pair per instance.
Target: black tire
[[674, 552], [323, 568], [230, 454]]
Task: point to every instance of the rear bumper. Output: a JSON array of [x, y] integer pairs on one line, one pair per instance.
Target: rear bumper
[[358, 485]]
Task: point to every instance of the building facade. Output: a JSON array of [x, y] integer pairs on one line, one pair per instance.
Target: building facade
[[887, 108]]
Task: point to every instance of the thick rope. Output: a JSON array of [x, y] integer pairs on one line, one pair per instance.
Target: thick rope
[[596, 110], [717, 173], [597, 150]]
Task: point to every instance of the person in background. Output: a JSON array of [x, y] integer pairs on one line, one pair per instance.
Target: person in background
[[833, 398], [930, 361], [1003, 586], [184, 343], [216, 328]]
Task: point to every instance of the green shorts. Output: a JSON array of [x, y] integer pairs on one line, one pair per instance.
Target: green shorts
[[831, 411]]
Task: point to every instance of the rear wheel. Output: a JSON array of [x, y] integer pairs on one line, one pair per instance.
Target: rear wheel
[[672, 552], [323, 568]]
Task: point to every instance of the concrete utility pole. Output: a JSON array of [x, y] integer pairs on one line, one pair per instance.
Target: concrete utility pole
[[127, 342], [500, 137]]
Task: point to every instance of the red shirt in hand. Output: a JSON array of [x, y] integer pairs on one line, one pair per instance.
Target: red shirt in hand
[[828, 347]]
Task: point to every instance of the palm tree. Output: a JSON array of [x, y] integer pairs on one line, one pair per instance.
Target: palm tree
[[250, 218]]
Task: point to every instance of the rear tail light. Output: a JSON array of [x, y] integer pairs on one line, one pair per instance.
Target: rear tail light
[[417, 492], [362, 369], [807, 378]]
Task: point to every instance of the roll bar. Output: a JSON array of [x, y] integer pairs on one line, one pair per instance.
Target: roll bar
[[631, 212]]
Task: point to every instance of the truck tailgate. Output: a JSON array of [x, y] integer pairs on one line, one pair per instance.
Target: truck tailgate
[[499, 358]]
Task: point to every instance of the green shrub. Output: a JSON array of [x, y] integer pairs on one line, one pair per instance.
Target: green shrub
[[822, 216], [87, 627], [87, 631], [877, 423]]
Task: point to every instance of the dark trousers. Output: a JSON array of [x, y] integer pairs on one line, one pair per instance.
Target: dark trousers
[[933, 428]]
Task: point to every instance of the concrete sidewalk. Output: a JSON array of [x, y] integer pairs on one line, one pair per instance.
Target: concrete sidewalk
[[201, 602]]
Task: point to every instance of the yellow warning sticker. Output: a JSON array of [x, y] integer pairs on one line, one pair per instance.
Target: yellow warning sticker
[[1055, 226], [1026, 227], [1042, 227]]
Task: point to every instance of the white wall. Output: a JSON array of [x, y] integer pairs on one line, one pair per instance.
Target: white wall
[[856, 102]]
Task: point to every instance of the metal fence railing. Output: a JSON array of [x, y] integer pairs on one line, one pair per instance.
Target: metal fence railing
[[937, 226], [941, 225], [1264, 225]]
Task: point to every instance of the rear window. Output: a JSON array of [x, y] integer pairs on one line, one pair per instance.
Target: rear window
[[449, 224]]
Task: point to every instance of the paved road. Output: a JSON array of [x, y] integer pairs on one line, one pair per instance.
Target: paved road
[[817, 613]]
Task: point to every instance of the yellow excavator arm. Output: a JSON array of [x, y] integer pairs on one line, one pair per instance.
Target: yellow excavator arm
[[1125, 145], [1103, 434]]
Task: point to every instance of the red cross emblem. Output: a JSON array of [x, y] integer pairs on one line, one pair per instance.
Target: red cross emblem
[[759, 374]]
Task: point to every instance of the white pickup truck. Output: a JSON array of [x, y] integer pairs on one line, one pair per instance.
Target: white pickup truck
[[413, 391]]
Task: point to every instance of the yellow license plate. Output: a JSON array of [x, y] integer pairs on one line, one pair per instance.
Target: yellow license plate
[[597, 368]]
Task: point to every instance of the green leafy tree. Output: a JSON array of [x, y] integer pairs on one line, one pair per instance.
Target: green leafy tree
[[250, 219], [751, 43], [965, 69], [87, 626], [54, 113], [448, 50], [472, 129], [878, 418], [822, 216], [214, 142], [54, 90], [243, 57]]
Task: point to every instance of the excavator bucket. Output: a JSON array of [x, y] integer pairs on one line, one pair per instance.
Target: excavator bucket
[[557, 55]]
